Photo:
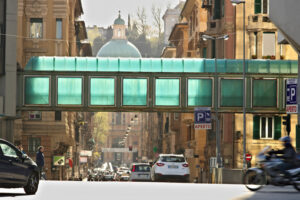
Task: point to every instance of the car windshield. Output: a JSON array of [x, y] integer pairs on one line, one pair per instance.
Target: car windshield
[[142, 168], [172, 159]]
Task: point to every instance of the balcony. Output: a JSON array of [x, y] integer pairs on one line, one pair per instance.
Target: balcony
[[260, 21]]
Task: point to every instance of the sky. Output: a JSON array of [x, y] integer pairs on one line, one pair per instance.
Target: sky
[[103, 12]]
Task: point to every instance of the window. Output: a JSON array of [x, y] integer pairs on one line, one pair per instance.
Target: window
[[266, 127], [204, 52], [217, 9], [124, 119], [59, 28], [264, 93], [269, 42], [36, 28], [8, 150], [176, 116], [261, 6], [33, 144], [172, 159], [35, 115], [118, 118], [57, 115], [213, 49]]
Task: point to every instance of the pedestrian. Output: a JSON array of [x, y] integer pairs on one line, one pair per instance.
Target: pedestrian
[[20, 147], [40, 160]]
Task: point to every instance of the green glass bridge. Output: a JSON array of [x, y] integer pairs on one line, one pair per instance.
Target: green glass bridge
[[152, 84]]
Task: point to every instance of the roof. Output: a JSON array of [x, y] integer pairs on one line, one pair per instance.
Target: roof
[[178, 65], [119, 20], [78, 9], [119, 48]]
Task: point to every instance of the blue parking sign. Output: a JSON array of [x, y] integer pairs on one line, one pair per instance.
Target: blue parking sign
[[202, 118], [291, 96]]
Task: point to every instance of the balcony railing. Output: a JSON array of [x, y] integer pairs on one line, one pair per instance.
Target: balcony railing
[[260, 21]]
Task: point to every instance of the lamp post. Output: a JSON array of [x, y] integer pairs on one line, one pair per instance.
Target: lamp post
[[216, 98], [234, 3]]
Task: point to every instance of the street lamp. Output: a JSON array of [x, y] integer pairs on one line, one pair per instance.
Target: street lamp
[[234, 3], [216, 99]]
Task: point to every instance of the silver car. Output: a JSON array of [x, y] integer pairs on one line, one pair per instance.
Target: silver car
[[140, 172]]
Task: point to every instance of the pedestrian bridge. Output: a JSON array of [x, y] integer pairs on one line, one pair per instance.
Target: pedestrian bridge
[[152, 84]]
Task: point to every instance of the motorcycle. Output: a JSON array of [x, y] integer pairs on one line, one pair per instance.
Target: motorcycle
[[267, 173]]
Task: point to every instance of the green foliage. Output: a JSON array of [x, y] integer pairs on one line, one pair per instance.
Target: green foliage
[[101, 128]]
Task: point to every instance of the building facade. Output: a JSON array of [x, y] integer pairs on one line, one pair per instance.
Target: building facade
[[50, 28], [8, 68], [261, 43]]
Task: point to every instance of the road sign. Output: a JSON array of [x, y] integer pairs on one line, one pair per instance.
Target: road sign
[[58, 160], [291, 96], [202, 118], [248, 157]]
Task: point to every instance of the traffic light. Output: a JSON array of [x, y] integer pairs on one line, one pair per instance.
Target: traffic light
[[130, 148], [287, 123]]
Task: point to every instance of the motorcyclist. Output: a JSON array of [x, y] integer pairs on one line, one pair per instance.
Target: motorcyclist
[[288, 154]]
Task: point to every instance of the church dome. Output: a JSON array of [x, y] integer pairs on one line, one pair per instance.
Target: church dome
[[119, 48], [119, 20]]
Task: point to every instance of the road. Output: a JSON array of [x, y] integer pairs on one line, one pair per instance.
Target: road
[[55, 190]]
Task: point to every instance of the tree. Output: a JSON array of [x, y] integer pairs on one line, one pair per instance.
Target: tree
[[157, 19], [101, 128], [142, 20]]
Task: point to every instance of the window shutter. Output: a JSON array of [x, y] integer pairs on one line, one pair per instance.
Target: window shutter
[[277, 127], [257, 7], [256, 127]]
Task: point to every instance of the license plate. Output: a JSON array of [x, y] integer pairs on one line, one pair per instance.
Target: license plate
[[172, 166]]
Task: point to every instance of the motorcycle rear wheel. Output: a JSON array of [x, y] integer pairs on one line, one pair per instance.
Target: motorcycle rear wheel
[[254, 180], [297, 185]]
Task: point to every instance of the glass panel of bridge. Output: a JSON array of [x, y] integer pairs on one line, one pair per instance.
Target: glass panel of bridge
[[234, 66], [167, 92], [193, 65], [69, 91], [37, 90], [108, 64], [294, 67], [129, 65], [135, 92], [102, 92], [209, 65], [199, 92], [264, 93], [172, 65], [151, 65], [258, 66], [65, 64], [231, 92]]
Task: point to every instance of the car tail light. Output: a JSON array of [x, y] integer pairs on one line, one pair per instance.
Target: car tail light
[[185, 165], [133, 168], [160, 164]]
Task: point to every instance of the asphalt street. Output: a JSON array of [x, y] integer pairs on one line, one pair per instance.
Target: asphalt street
[[65, 190]]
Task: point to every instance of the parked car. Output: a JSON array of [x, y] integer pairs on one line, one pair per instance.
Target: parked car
[[17, 169], [170, 167], [122, 174], [140, 172], [108, 173]]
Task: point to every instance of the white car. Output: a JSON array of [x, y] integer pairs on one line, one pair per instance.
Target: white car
[[140, 172], [170, 167]]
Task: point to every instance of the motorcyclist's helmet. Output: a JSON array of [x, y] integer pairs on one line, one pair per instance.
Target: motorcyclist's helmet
[[285, 139]]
